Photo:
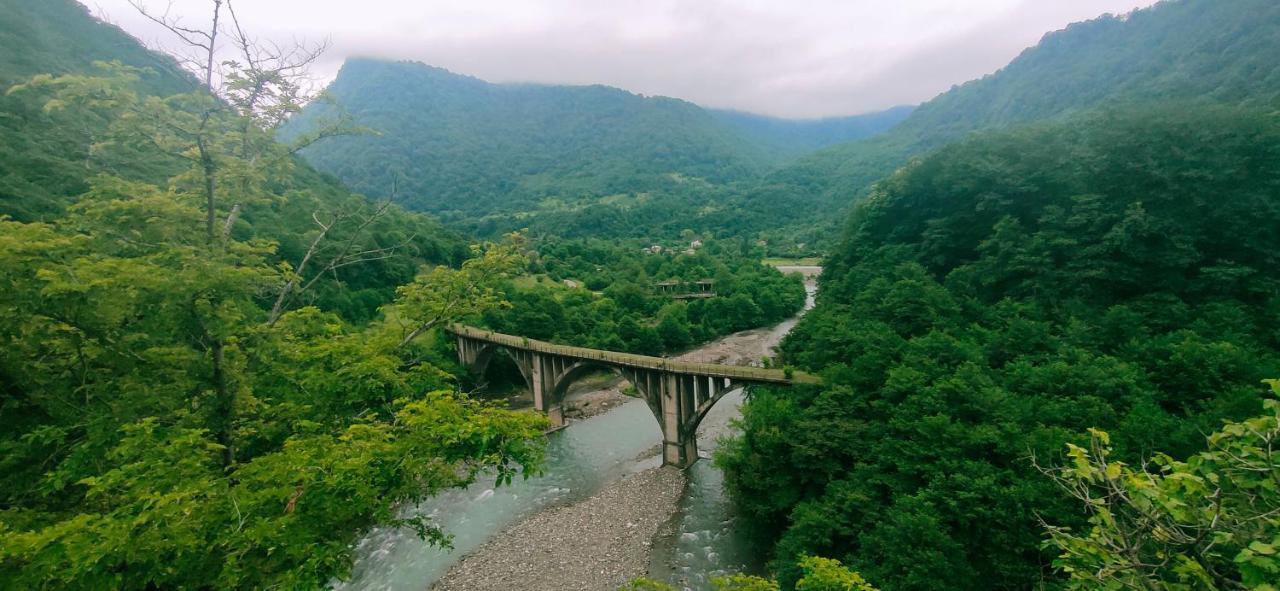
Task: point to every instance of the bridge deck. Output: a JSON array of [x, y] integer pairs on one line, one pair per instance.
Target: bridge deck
[[736, 372]]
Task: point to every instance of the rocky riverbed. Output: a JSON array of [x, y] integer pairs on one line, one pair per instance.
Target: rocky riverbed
[[594, 545], [591, 402]]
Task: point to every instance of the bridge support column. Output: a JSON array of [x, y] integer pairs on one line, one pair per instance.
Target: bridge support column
[[542, 376], [679, 445]]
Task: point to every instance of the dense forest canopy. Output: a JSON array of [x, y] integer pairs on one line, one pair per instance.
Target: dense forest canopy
[[498, 158], [787, 139], [60, 37], [991, 303], [1195, 51], [172, 417], [558, 159], [605, 295], [49, 157]]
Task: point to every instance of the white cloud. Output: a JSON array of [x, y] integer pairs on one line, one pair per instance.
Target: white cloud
[[796, 58]]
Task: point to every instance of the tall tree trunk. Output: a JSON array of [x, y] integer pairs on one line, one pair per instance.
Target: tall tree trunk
[[226, 409], [209, 169]]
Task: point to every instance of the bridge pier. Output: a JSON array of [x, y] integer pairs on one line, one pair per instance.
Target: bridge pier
[[542, 373], [679, 431]]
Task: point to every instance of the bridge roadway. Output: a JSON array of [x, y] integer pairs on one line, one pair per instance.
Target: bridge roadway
[[679, 393]]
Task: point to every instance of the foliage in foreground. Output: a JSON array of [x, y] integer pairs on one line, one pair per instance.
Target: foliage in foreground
[[175, 415], [817, 574], [1210, 522]]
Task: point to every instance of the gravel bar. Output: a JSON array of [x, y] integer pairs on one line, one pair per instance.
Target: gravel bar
[[596, 544]]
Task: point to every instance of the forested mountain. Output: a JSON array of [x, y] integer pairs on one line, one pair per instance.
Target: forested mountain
[[502, 157], [50, 157], [995, 300], [787, 139], [43, 158], [220, 367], [468, 149], [456, 143], [1197, 51], [61, 37]]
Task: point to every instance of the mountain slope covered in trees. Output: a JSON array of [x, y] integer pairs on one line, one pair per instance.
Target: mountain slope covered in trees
[[221, 368], [467, 149], [455, 143], [787, 139], [49, 157], [995, 300], [43, 156], [61, 37], [1196, 51]]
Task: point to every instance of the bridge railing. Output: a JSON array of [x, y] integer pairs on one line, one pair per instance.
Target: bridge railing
[[738, 372]]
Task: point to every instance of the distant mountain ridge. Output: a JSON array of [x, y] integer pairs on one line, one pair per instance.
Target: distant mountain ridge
[[464, 145], [1192, 51], [792, 138]]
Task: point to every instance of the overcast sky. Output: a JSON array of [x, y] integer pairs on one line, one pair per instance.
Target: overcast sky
[[791, 58]]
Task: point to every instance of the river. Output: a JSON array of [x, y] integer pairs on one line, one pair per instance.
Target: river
[[592, 455]]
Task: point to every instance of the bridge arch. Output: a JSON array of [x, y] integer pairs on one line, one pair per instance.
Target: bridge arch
[[575, 371], [485, 355], [703, 408]]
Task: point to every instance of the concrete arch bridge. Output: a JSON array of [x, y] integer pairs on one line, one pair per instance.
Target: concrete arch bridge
[[678, 393]]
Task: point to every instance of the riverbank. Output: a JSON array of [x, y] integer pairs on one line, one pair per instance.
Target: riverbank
[[590, 402], [597, 544]]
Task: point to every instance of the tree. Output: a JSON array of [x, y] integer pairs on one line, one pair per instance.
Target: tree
[[819, 574], [444, 295], [1210, 522], [167, 424]]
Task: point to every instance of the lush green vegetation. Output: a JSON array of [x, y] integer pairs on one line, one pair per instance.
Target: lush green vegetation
[[787, 139], [612, 300], [174, 420], [1195, 51], [991, 303], [52, 155], [462, 144], [570, 161], [59, 37], [816, 574], [218, 366], [221, 366], [1211, 522], [48, 157]]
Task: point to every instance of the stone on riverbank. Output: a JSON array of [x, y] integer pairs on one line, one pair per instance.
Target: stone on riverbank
[[593, 545]]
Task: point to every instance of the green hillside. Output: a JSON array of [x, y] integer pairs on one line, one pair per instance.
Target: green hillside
[[49, 158], [61, 37], [788, 139], [43, 156], [995, 300], [588, 160], [1198, 51], [459, 144]]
